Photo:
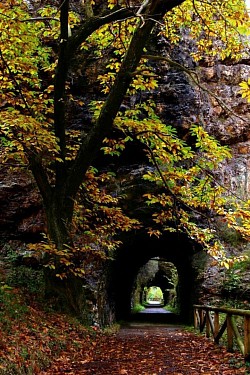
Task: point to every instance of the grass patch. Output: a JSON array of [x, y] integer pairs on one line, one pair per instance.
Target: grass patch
[[174, 310], [137, 308]]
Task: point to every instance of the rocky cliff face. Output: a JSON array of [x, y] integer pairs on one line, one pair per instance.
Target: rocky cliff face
[[230, 121], [21, 208], [227, 117], [215, 103]]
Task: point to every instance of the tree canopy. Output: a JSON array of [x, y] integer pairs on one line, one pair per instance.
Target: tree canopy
[[41, 46]]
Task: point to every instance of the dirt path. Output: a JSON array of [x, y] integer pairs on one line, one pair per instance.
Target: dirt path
[[154, 310], [149, 350]]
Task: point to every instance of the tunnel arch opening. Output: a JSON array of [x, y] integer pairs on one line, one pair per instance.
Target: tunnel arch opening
[[136, 251], [155, 285], [153, 296]]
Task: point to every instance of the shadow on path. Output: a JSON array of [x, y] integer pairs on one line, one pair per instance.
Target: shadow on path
[[155, 315]]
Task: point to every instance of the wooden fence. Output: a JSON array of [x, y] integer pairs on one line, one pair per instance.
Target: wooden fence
[[210, 319]]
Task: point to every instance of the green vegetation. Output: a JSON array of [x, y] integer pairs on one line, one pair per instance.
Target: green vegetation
[[170, 307], [30, 280], [11, 306], [236, 284], [154, 294], [137, 308]]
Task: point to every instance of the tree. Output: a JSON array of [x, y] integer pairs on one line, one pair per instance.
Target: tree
[[38, 51]]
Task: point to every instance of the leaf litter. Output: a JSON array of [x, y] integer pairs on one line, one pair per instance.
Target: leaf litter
[[34, 341], [151, 351]]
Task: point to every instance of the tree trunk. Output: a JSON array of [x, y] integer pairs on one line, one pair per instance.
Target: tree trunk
[[68, 293], [59, 220]]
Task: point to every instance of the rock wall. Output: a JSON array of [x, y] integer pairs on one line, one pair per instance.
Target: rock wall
[[21, 210], [230, 122]]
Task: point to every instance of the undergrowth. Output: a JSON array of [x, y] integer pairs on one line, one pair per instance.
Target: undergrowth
[[32, 334], [137, 308], [30, 338]]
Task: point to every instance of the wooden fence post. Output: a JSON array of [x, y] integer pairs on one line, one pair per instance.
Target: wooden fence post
[[204, 320], [230, 333], [201, 315], [196, 320], [207, 324], [247, 338], [216, 323]]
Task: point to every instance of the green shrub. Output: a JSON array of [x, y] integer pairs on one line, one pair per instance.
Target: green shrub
[[137, 308], [28, 279], [10, 307]]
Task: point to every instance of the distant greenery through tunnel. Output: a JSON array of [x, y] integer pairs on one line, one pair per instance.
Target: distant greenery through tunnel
[[156, 285], [154, 296]]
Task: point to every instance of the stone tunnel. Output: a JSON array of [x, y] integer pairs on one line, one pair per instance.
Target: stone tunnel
[[136, 251]]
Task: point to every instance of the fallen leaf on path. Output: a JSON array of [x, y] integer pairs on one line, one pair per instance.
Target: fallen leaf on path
[[123, 372]]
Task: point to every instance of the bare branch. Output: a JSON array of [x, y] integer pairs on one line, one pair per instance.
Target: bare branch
[[41, 19]]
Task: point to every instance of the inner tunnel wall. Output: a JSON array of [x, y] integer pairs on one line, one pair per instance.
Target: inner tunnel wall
[[135, 252]]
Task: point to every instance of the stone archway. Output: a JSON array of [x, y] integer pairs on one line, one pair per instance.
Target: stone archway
[[156, 272], [136, 251]]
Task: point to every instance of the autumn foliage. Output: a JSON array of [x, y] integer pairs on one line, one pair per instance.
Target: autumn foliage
[[83, 218]]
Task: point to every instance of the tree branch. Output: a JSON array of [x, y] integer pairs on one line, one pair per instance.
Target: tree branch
[[59, 93], [168, 189], [35, 164], [94, 23], [93, 141], [41, 178], [68, 47]]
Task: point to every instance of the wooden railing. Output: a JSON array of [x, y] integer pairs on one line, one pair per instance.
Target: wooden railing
[[209, 318]]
